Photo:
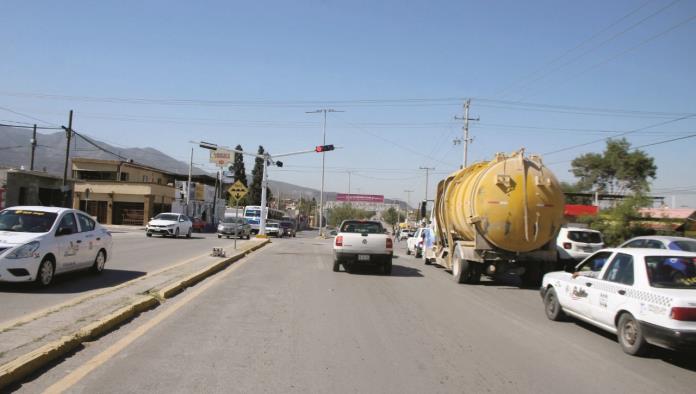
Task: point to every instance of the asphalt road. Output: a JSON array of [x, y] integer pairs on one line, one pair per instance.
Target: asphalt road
[[282, 321], [133, 255]]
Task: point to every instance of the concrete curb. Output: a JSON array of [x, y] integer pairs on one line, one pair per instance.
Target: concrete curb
[[29, 363]]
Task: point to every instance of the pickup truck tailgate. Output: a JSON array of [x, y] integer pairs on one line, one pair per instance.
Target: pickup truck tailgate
[[364, 243]]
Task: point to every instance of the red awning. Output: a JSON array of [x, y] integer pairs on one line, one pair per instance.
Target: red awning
[[579, 210]]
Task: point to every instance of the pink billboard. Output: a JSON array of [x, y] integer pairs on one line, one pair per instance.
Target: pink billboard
[[360, 197]]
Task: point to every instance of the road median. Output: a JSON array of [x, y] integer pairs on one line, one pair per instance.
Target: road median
[[30, 343]]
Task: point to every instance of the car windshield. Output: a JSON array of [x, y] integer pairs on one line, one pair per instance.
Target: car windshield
[[686, 245], [230, 220], [673, 272], [361, 227], [254, 213], [286, 224], [24, 221], [167, 216], [272, 225], [589, 237]]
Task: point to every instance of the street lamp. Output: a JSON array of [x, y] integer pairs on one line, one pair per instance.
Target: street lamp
[[321, 195]]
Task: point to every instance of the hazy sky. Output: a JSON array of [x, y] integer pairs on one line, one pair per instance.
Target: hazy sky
[[544, 75]]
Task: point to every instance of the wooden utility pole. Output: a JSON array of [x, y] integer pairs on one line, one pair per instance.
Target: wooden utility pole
[[68, 135]]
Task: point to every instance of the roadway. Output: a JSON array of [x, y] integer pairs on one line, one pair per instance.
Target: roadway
[[133, 255], [282, 321]]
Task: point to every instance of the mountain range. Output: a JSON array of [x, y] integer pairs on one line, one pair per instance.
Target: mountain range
[[15, 152]]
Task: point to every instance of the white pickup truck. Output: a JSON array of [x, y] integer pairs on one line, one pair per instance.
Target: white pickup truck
[[363, 242]]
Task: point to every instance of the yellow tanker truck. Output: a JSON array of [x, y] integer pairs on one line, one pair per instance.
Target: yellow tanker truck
[[498, 217]]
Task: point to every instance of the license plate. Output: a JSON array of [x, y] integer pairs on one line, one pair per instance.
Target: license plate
[[363, 257]]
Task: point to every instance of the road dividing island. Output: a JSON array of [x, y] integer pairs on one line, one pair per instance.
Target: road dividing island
[[30, 343]]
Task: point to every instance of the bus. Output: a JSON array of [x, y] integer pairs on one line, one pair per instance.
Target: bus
[[252, 214]]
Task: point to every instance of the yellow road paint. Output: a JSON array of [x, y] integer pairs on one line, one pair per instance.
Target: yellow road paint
[[78, 374]]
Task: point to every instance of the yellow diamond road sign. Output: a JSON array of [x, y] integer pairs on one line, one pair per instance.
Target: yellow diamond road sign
[[237, 190]]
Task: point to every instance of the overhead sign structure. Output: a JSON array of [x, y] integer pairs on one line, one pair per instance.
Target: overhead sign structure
[[237, 190], [221, 157]]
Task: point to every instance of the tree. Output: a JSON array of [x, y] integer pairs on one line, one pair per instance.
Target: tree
[[339, 213], [618, 224], [391, 216], [568, 187], [254, 196], [239, 173], [616, 170]]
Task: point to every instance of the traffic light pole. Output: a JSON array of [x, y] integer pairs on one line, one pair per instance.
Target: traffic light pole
[[267, 159]]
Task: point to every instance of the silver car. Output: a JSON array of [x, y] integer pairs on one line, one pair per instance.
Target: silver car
[[233, 227]]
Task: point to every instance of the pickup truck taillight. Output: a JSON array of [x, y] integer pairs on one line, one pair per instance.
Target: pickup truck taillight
[[339, 240], [567, 245], [390, 243], [683, 314]]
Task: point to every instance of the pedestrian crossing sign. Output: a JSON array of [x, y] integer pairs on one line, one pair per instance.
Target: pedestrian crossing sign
[[237, 190]]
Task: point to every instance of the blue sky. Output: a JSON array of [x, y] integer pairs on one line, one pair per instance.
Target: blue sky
[[252, 69]]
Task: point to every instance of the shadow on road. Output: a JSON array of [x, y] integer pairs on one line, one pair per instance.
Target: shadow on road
[[75, 282], [397, 270]]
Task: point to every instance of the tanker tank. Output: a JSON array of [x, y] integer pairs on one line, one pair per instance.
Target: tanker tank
[[503, 213]]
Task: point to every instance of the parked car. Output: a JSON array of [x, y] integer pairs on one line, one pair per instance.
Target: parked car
[[363, 242], [405, 234], [273, 229], [37, 243], [198, 225], [288, 229], [644, 296], [414, 245], [233, 227], [169, 224], [574, 244], [661, 242]]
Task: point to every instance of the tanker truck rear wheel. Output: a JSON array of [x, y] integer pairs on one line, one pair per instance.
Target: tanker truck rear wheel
[[461, 270]]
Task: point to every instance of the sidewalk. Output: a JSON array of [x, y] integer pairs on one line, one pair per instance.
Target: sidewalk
[[33, 340]]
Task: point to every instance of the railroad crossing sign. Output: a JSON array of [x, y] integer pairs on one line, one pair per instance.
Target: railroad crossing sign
[[237, 190]]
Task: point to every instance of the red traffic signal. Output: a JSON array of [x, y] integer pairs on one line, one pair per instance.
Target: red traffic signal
[[324, 148]]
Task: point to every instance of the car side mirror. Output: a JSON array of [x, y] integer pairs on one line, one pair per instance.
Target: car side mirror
[[64, 231]]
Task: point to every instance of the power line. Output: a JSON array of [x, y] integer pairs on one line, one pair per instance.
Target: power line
[[618, 135], [613, 37], [27, 116], [610, 58], [665, 141], [29, 127], [571, 50]]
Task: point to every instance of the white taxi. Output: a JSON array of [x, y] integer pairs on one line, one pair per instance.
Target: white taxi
[[37, 243], [644, 296]]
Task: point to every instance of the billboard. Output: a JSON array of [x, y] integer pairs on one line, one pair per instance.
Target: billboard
[[375, 198], [221, 157]]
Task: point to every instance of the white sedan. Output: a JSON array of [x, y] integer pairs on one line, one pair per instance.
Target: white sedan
[[172, 224], [645, 296], [37, 243]]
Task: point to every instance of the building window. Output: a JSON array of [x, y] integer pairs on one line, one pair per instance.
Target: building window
[[145, 178], [124, 177], [159, 181], [96, 175]]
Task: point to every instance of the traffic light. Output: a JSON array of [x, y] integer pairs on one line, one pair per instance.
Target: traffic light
[[279, 163], [323, 148], [423, 207]]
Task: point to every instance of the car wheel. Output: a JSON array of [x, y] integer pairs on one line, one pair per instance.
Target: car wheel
[[532, 275], [188, 235], [44, 276], [336, 265], [427, 261], [148, 234], [248, 236], [176, 233], [630, 335], [552, 307], [99, 262]]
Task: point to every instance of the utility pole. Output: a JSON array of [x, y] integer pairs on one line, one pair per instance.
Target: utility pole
[[188, 184], [68, 135], [323, 161], [427, 173], [408, 201], [466, 141], [349, 172], [33, 149]]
